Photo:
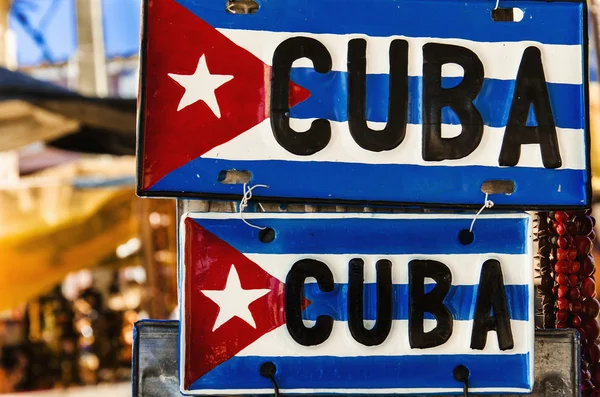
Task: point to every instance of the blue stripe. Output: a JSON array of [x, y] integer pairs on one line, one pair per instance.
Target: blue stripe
[[401, 372], [548, 23], [383, 183], [329, 99], [372, 236], [460, 301]]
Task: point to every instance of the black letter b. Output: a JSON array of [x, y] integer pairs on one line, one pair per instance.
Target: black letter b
[[420, 303]]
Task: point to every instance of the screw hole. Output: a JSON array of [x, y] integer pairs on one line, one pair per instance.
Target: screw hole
[[268, 369], [461, 373], [243, 7], [507, 14], [498, 187], [234, 177], [466, 237], [266, 235]]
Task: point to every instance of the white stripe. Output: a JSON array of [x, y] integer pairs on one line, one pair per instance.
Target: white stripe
[[465, 268], [501, 60], [372, 391], [258, 143], [348, 215], [341, 343]]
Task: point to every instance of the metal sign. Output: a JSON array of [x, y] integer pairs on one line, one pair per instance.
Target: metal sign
[[403, 101], [355, 303], [557, 361]]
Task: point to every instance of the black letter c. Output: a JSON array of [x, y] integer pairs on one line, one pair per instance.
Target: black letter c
[[294, 293], [319, 134]]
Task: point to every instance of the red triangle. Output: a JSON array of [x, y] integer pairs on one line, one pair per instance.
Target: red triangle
[[176, 40], [208, 261], [297, 94]]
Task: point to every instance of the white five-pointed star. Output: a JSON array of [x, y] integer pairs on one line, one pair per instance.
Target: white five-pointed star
[[200, 86], [233, 301]]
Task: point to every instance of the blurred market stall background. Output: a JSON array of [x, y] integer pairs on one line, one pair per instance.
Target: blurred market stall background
[[81, 258]]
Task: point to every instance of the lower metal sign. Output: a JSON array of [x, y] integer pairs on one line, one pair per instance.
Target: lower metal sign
[[356, 303]]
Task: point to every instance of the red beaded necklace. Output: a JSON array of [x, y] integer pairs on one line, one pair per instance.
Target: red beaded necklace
[[567, 286]]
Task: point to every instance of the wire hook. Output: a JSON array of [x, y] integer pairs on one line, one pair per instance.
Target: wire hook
[[461, 374], [486, 204], [244, 204], [267, 370]]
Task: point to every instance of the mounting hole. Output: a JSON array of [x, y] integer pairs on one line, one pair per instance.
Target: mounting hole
[[493, 186], [266, 236], [243, 7], [461, 373], [466, 237], [507, 14], [268, 369], [234, 177]]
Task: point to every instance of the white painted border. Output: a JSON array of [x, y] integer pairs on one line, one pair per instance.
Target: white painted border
[[181, 270], [421, 391], [532, 296], [354, 215]]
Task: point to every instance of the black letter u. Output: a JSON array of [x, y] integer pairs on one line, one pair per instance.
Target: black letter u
[[395, 130], [381, 330]]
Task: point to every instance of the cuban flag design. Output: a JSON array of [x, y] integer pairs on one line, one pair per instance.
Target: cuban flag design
[[206, 95], [246, 302]]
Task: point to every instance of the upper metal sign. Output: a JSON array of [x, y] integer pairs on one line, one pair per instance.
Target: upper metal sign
[[401, 101]]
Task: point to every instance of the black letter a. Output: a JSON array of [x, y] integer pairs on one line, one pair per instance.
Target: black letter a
[[491, 296], [530, 90]]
